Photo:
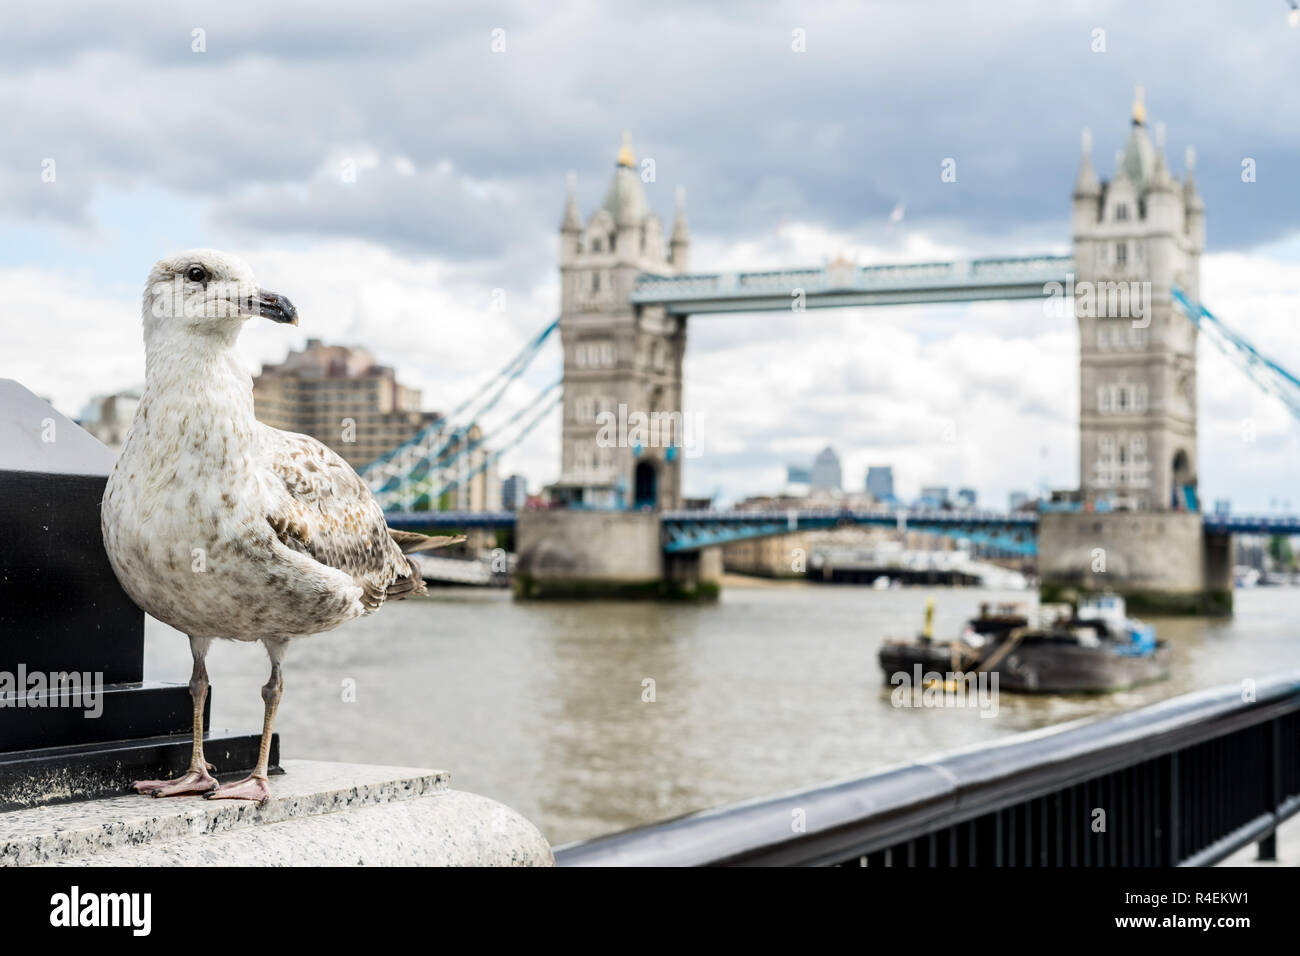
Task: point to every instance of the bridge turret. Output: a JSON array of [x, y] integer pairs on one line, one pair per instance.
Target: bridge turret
[[1164, 202], [571, 224], [680, 247], [1087, 189], [1193, 204]]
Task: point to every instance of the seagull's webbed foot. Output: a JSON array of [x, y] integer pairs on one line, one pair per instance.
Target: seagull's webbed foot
[[252, 787], [194, 781]]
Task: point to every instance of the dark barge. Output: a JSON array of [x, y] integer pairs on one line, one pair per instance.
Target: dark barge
[[1093, 649]]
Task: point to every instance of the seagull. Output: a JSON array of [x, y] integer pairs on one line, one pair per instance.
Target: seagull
[[224, 527]]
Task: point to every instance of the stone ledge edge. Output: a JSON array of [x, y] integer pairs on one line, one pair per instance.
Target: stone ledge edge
[[211, 817]]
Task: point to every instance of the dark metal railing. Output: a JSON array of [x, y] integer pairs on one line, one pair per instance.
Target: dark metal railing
[[1184, 782]]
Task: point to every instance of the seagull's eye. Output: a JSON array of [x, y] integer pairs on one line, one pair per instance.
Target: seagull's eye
[[196, 273]]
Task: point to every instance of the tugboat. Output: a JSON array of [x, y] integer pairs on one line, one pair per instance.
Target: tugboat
[[1093, 648]]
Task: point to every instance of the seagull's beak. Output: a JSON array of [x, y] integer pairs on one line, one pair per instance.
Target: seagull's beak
[[273, 306]]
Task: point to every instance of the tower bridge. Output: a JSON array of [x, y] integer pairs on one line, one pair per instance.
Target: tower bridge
[[626, 300], [627, 294]]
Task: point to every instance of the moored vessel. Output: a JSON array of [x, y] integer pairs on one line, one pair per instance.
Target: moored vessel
[[1093, 648]]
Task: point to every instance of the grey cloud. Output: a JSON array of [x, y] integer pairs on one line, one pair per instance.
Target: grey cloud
[[430, 210], [758, 133]]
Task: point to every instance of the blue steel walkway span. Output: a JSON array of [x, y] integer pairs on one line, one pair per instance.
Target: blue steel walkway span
[[1253, 524], [1011, 532], [845, 284]]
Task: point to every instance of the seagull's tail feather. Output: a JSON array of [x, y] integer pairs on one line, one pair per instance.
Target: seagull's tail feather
[[412, 583], [410, 542]]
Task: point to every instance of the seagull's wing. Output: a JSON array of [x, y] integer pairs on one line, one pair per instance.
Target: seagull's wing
[[328, 513]]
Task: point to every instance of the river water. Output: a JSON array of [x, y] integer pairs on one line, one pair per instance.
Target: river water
[[540, 705]]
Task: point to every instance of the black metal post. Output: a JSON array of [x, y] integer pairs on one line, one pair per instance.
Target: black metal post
[[1268, 846]]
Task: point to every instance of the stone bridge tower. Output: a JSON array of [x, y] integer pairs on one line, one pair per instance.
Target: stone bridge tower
[[1135, 237], [621, 361], [1140, 533]]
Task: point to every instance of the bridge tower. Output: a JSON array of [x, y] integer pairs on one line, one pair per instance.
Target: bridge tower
[[621, 361], [1135, 237], [622, 366], [1140, 533]]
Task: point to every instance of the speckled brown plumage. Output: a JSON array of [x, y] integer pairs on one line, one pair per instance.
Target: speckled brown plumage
[[331, 515]]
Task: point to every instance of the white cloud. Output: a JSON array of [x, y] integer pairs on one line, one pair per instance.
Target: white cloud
[[66, 341], [1249, 442]]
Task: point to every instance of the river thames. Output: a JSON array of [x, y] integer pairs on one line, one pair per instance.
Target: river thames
[[540, 705]]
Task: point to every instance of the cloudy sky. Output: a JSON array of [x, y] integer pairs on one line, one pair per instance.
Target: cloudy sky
[[789, 158]]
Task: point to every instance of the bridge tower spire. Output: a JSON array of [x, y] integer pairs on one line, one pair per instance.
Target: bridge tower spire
[[1137, 236], [622, 362], [679, 247]]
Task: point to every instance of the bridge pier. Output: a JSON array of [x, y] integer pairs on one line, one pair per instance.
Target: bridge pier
[[694, 573], [576, 553], [1160, 562]]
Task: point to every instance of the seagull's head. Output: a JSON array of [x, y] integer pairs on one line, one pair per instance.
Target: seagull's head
[[206, 292]]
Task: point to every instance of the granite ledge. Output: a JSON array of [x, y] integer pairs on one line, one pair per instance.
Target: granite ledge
[[448, 828], [307, 789]]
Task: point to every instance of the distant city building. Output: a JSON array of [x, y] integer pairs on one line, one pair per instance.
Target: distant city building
[[1017, 500], [880, 482], [1222, 506], [343, 398], [798, 475], [966, 497], [108, 417], [777, 556], [826, 473], [934, 496], [514, 493]]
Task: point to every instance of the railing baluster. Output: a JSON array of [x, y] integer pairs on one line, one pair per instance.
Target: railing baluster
[[999, 853], [1058, 842], [1273, 786], [1012, 820], [1072, 826], [1174, 831]]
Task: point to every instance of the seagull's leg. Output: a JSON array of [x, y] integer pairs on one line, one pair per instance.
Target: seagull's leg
[[197, 779], [254, 786]]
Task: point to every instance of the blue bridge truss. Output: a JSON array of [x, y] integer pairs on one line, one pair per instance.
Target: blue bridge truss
[[1011, 533]]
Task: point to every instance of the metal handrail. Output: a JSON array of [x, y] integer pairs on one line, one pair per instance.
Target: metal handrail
[[957, 809]]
